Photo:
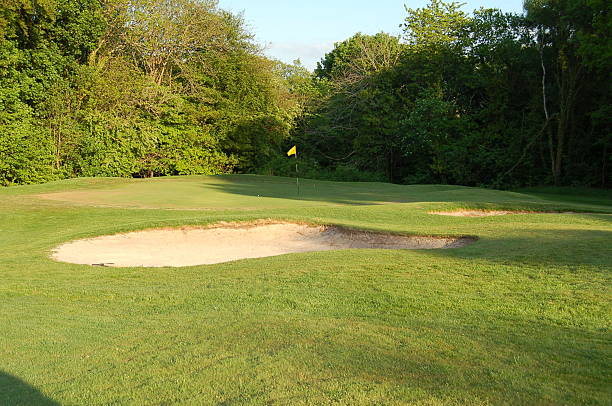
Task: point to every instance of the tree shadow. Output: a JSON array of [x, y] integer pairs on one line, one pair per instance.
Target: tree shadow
[[359, 193], [541, 248], [15, 392], [309, 190], [512, 370]]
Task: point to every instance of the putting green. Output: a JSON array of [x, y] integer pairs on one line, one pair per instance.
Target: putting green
[[521, 317], [246, 192]]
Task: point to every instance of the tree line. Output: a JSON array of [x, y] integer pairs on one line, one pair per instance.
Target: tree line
[[134, 88], [172, 87]]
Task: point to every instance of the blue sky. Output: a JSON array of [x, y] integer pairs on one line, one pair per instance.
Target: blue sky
[[307, 29]]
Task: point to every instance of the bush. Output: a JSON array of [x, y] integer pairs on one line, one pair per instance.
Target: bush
[[310, 169]]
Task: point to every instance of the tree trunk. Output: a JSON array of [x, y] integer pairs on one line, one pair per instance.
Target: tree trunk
[[604, 166], [561, 135]]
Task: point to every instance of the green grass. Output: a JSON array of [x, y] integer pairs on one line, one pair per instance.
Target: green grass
[[574, 195], [522, 317]]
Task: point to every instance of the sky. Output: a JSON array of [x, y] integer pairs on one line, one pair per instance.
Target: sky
[[307, 29]]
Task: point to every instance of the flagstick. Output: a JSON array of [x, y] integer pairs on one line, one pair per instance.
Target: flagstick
[[297, 174]]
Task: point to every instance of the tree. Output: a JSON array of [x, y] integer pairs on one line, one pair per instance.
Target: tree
[[560, 24], [439, 25], [357, 123], [163, 35]]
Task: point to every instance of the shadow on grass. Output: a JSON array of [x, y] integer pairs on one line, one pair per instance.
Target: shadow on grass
[[374, 193], [15, 392], [542, 247], [591, 196], [312, 190], [348, 193], [516, 369]]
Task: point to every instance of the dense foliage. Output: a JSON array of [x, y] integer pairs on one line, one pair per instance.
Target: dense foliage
[[170, 87], [134, 88], [491, 98]]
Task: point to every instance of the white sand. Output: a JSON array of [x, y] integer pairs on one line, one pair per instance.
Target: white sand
[[488, 213], [229, 242], [476, 213]]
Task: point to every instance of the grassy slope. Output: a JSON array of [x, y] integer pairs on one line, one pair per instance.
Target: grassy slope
[[521, 317]]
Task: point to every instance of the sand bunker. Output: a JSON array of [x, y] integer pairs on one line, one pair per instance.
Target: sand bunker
[[476, 213], [488, 213], [229, 242]]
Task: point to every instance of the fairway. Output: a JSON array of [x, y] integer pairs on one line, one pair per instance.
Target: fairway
[[520, 317]]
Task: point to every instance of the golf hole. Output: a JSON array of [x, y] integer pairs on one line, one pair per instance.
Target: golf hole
[[226, 242]]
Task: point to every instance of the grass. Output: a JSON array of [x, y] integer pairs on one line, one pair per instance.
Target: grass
[[522, 317]]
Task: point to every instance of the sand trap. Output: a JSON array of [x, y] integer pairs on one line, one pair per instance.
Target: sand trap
[[229, 242], [488, 213], [476, 213]]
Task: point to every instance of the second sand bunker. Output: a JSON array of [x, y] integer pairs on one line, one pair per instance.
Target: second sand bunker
[[230, 242]]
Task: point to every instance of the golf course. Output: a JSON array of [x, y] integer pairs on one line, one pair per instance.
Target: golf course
[[520, 316]]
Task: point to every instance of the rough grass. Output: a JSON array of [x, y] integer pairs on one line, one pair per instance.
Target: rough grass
[[521, 317]]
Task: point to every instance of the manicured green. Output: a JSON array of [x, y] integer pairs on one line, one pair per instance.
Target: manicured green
[[521, 317]]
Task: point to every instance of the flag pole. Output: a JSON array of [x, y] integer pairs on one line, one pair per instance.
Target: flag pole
[[297, 174], [293, 151]]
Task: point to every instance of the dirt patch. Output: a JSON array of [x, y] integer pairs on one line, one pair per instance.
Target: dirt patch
[[232, 241]]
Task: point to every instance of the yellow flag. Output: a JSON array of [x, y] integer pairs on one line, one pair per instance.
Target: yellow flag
[[292, 151]]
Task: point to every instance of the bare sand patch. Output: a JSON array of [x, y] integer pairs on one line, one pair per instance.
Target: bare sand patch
[[476, 213], [489, 213], [226, 242]]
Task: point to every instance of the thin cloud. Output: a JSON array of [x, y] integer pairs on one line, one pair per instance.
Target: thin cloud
[[308, 53]]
